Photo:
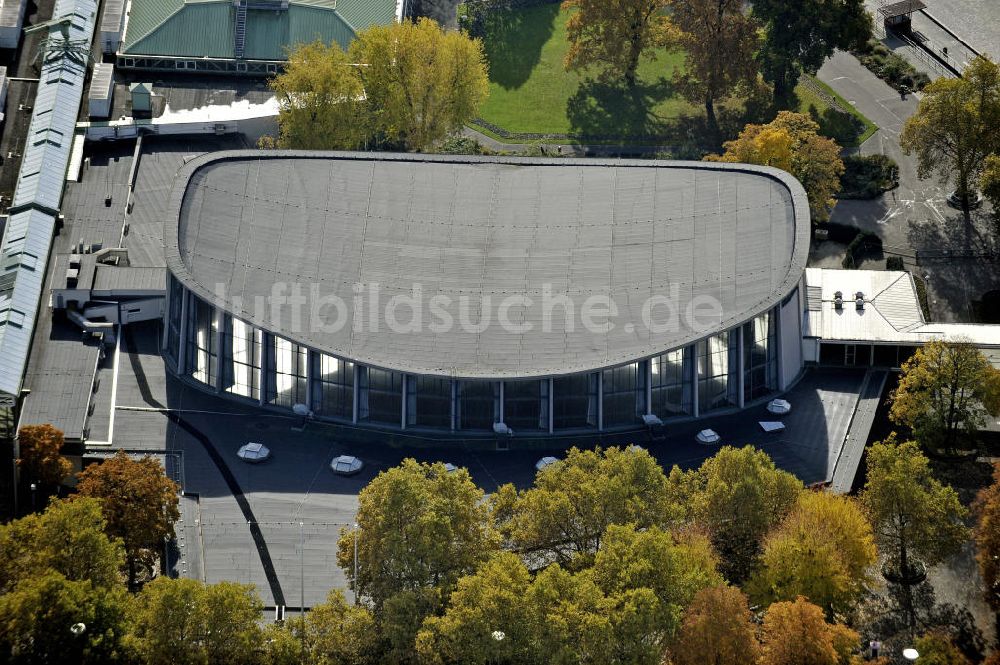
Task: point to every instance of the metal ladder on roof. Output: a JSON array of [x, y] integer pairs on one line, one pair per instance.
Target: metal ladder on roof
[[240, 36]]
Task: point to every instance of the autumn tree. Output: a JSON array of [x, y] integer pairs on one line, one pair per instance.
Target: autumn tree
[[937, 648], [58, 569], [799, 36], [567, 512], [421, 83], [139, 503], [737, 496], [913, 515], [657, 570], [717, 628], [491, 599], [69, 538], [987, 536], [39, 454], [823, 550], [615, 35], [188, 621], [420, 527], [946, 390], [705, 30], [321, 100], [621, 610], [957, 124], [791, 142], [796, 633], [989, 183], [37, 617], [338, 632]]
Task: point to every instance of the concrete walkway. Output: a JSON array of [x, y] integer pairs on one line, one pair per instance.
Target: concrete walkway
[[915, 216]]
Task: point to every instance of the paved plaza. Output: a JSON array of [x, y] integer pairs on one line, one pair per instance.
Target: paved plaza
[[201, 433]]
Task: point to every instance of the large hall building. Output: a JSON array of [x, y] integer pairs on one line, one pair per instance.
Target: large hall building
[[472, 294]]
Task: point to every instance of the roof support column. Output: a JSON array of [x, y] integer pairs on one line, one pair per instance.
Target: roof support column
[[357, 387], [182, 338], [649, 385], [600, 401], [500, 409], [695, 407], [552, 403], [219, 317], [454, 405], [265, 365], [406, 397], [778, 343], [740, 401]]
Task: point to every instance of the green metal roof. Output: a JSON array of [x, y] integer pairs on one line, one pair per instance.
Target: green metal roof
[[205, 28]]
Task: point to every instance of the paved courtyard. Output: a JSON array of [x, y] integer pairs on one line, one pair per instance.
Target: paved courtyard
[[200, 434]]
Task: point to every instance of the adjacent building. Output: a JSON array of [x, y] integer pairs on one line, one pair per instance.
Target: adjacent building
[[237, 36]]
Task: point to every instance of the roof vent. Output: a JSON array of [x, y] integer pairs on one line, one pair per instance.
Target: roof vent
[[838, 300], [859, 301]]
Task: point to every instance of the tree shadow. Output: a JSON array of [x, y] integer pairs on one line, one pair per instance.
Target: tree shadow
[[843, 128], [514, 41], [882, 617], [611, 110]]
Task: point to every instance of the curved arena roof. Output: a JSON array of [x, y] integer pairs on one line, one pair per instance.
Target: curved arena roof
[[480, 230]]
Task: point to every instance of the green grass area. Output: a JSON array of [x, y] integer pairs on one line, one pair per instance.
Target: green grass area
[[848, 131], [531, 91]]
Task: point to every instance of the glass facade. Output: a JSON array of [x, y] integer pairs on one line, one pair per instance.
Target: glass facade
[[202, 338], [287, 363], [526, 405], [624, 400], [241, 366], [671, 376], [246, 362], [717, 360], [380, 396], [333, 386], [760, 358], [478, 404], [428, 402], [574, 401]]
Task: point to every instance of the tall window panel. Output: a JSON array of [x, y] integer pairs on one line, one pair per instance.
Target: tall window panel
[[288, 367], [526, 405], [174, 321], [624, 394], [428, 402], [333, 386], [760, 364], [574, 401], [478, 404], [202, 340], [242, 359], [380, 399], [717, 359], [672, 383]]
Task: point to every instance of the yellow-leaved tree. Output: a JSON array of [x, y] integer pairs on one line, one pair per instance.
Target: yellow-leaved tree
[[614, 36], [791, 142], [405, 85], [945, 393]]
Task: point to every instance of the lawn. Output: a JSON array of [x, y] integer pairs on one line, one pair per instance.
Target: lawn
[[531, 92], [533, 96]]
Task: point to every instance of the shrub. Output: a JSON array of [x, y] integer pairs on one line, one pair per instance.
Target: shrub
[[867, 176], [864, 242], [894, 263]]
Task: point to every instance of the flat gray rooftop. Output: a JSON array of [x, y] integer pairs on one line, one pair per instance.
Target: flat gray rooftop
[[483, 230]]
